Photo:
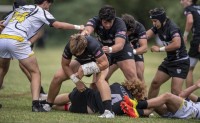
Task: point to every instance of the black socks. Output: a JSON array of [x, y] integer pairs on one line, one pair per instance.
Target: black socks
[[107, 105]]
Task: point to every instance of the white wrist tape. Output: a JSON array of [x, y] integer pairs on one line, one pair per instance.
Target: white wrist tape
[[185, 34], [162, 49], [74, 78], [90, 68], [110, 49], [134, 51], [77, 27]]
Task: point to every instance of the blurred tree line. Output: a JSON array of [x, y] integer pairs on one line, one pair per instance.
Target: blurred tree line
[[79, 11]]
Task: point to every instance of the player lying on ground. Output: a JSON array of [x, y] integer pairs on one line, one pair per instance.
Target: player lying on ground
[[89, 101], [166, 105]]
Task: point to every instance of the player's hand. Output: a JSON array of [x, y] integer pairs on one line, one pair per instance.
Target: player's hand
[[82, 27], [105, 49], [198, 83], [80, 86], [84, 32], [155, 49]]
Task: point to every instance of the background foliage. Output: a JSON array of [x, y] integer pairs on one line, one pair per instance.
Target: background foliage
[[79, 11]]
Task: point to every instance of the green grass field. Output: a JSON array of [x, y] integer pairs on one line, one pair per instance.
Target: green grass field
[[16, 98]]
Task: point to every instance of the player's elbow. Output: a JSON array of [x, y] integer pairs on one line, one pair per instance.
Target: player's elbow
[[145, 49], [57, 25], [177, 45]]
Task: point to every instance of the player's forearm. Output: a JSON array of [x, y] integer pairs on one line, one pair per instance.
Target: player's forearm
[[188, 91], [66, 26]]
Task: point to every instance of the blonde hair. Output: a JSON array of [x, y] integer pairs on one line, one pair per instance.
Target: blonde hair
[[78, 43], [136, 87]]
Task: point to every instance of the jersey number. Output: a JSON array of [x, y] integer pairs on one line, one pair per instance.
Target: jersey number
[[20, 17], [116, 98]]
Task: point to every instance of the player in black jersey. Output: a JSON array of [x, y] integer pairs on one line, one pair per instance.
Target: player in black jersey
[[90, 59], [176, 64], [137, 36], [192, 13], [89, 101], [111, 32]]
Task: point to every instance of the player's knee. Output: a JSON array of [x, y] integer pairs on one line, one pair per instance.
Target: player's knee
[[140, 76], [175, 91], [167, 96], [57, 79], [155, 84]]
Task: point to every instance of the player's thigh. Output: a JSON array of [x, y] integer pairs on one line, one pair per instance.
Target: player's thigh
[[140, 68], [160, 78], [4, 63], [112, 69], [102, 75], [127, 66], [30, 64], [176, 85]]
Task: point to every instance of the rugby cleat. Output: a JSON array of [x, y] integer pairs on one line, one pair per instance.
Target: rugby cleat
[[130, 102], [130, 111], [38, 108]]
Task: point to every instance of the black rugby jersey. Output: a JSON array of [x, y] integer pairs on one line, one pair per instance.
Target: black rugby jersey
[[117, 93], [166, 34], [195, 11], [139, 33], [107, 37], [92, 51]]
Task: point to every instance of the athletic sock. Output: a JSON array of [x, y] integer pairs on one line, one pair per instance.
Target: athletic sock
[[36, 103], [140, 112], [142, 104], [67, 107], [50, 104], [42, 90], [107, 105]]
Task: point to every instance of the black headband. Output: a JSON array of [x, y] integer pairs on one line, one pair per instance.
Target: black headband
[[159, 16]]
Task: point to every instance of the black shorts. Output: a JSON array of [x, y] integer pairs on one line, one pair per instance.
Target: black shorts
[[139, 58], [80, 101], [194, 46], [175, 68], [126, 53]]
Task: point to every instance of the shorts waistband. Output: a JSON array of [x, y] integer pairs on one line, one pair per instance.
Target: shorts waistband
[[18, 38]]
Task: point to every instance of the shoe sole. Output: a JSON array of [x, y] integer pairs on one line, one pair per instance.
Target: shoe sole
[[128, 110]]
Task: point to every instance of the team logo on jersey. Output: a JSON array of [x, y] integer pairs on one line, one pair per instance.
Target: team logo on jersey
[[178, 71], [20, 17]]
